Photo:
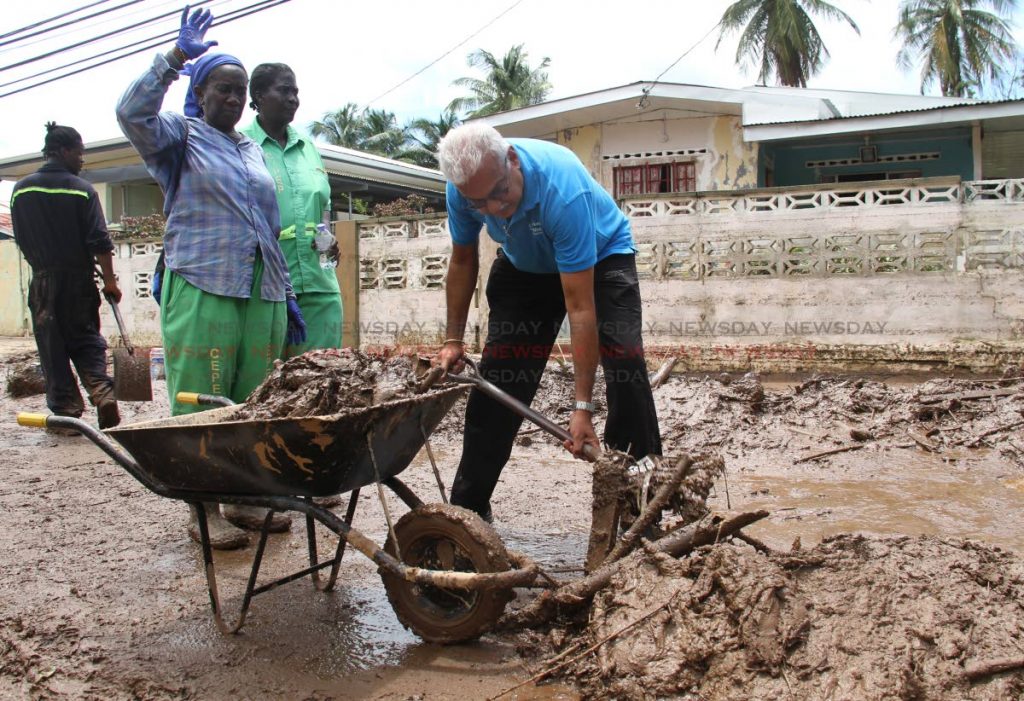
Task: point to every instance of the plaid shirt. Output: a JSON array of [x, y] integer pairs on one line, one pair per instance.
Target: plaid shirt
[[219, 198]]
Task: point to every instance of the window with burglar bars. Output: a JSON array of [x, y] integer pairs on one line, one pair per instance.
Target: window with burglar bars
[[654, 178]]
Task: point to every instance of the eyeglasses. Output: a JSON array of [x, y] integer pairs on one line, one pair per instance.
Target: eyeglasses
[[496, 194]]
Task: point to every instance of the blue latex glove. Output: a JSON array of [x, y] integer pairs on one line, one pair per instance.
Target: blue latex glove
[[193, 29], [296, 333], [156, 287]]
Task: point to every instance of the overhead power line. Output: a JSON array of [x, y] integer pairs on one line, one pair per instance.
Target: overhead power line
[[158, 41], [40, 23], [69, 23], [492, 21], [80, 61], [642, 103], [94, 39]]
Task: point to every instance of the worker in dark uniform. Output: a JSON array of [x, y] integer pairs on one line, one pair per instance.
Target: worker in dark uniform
[[60, 229]]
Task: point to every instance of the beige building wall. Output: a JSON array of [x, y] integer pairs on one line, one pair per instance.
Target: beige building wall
[[14, 278]]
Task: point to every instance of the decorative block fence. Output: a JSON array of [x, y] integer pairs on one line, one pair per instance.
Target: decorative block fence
[[909, 273]]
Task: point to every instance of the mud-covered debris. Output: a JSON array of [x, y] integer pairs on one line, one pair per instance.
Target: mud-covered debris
[[746, 389], [855, 617], [25, 378], [324, 382]]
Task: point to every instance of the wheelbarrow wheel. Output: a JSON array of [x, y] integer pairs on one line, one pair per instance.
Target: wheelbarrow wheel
[[445, 537]]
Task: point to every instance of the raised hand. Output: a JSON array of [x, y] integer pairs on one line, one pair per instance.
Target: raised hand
[[193, 30]]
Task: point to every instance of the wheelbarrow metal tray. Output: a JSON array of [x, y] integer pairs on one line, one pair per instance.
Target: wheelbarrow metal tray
[[215, 452]]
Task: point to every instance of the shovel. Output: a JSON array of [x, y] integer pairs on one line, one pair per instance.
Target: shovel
[[132, 381]]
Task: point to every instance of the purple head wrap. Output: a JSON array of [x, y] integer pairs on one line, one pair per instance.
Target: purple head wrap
[[199, 70]]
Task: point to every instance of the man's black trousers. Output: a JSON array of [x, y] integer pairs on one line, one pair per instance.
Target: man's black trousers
[[65, 308], [526, 313]]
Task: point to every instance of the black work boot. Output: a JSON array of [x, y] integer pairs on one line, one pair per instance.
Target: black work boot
[[108, 414]]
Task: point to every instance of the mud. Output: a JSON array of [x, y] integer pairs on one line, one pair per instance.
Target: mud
[[102, 595], [323, 382], [854, 618], [24, 375]]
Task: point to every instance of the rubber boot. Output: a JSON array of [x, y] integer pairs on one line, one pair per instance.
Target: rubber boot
[[223, 536], [252, 517], [108, 414]]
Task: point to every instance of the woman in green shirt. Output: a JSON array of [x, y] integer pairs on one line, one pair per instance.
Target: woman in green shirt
[[304, 198]]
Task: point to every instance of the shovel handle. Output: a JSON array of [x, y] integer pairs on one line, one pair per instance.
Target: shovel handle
[[120, 323], [513, 404]]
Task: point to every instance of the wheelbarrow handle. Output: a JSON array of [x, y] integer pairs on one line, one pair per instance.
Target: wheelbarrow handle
[[509, 402], [203, 399]]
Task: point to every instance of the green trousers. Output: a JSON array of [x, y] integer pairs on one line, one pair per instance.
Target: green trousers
[[215, 344], [323, 315]]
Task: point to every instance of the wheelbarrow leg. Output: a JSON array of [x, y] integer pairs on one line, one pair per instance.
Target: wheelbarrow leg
[[338, 554], [211, 574]]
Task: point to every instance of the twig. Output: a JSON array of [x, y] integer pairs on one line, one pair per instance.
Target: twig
[[833, 451], [572, 660], [922, 441], [985, 669], [961, 396], [753, 542], [970, 442]]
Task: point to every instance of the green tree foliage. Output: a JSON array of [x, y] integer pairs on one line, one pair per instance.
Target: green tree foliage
[[780, 36], [508, 83], [343, 127], [425, 134], [960, 44]]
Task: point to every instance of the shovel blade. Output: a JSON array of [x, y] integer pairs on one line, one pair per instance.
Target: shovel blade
[[132, 381]]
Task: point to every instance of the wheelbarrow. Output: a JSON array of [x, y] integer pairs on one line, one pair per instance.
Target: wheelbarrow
[[446, 572]]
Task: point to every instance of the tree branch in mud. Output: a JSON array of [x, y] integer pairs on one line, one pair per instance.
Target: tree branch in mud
[[651, 512], [981, 670], [664, 372], [576, 593], [833, 451], [572, 660]]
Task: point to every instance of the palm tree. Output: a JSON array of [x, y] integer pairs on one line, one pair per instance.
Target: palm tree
[[343, 127], [425, 134], [781, 36], [960, 43], [381, 133], [509, 83]]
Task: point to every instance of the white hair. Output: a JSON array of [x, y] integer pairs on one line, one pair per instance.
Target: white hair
[[464, 148]]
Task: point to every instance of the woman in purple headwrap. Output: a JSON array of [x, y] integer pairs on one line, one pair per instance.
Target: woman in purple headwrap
[[226, 301]]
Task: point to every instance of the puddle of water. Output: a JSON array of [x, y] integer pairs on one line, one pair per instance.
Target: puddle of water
[[552, 550], [912, 494]]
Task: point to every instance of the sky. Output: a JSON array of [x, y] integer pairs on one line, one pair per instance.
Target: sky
[[344, 52]]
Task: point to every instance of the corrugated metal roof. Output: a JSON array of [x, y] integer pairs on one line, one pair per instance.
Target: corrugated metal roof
[[960, 106]]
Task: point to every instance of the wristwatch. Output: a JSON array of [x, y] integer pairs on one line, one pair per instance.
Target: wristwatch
[[584, 406]]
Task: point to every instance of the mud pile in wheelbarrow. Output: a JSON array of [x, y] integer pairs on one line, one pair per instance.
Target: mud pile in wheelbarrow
[[854, 618], [325, 382]]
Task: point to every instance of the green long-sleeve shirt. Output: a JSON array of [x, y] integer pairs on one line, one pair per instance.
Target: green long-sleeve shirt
[[303, 194]]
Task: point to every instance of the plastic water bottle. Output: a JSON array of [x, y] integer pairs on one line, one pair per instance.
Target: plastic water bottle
[[324, 239], [156, 364]]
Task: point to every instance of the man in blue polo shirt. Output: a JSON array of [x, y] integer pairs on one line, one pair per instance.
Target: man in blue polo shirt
[[565, 248]]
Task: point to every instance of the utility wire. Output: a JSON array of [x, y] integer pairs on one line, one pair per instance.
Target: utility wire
[[69, 23], [105, 53], [226, 18], [77, 30], [40, 23], [642, 103], [495, 19], [85, 42]]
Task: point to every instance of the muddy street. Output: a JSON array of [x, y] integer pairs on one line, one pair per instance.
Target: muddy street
[[103, 594]]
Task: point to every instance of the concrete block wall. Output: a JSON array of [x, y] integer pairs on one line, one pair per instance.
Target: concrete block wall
[[900, 275]]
